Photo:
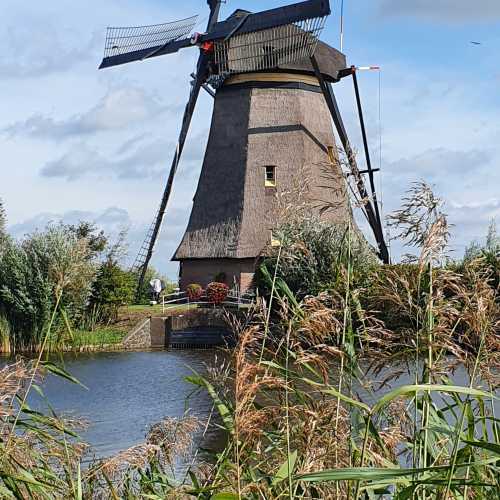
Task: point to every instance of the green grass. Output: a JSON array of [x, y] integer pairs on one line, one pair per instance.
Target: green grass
[[99, 337], [144, 308]]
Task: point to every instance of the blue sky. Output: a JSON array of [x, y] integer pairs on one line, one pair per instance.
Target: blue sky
[[77, 143]]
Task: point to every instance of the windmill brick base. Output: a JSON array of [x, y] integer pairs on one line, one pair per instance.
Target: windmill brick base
[[270, 143]]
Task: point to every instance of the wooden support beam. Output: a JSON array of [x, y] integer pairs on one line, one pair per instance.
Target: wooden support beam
[[360, 185]]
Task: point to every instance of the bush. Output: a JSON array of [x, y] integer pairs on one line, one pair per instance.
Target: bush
[[486, 256], [194, 292], [112, 288], [46, 267], [314, 257], [217, 292]]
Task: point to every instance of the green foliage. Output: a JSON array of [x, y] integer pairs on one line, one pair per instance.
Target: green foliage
[[112, 288], [34, 273], [486, 256], [313, 257], [96, 240], [99, 336], [4, 237], [3, 219], [4, 334]]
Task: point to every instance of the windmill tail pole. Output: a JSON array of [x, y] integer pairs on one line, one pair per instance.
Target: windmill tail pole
[[365, 144], [360, 185]]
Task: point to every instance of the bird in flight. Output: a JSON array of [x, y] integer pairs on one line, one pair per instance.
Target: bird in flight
[[475, 43]]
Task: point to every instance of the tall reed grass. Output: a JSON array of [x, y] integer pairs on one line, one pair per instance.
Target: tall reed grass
[[297, 427], [299, 398]]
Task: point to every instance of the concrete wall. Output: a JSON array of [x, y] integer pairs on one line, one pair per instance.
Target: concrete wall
[[195, 328], [139, 337]]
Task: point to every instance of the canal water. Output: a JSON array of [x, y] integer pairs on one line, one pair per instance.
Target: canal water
[[127, 392]]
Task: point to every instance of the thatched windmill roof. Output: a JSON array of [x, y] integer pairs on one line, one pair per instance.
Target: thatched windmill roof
[[277, 119]]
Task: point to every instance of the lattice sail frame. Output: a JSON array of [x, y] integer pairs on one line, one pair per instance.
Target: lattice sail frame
[[124, 39], [269, 48]]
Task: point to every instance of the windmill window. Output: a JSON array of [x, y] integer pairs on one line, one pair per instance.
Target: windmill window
[[270, 179]]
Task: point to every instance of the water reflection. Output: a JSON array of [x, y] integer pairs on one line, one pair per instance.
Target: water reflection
[[126, 393]]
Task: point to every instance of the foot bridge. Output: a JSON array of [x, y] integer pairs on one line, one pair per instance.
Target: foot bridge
[[186, 324]]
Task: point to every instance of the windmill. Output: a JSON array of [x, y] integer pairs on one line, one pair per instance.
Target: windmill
[[271, 79]]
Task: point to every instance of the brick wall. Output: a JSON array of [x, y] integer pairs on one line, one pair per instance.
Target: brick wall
[[203, 271]]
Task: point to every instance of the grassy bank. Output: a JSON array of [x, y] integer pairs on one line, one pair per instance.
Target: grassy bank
[[101, 337]]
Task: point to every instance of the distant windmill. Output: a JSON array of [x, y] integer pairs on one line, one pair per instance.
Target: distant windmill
[[271, 80]]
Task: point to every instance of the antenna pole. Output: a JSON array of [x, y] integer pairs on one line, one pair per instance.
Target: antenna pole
[[341, 25]]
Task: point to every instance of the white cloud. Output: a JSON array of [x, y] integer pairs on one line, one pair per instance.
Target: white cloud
[[111, 220], [119, 108], [33, 50], [136, 159], [81, 160]]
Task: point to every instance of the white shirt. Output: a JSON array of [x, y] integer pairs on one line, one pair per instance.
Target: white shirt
[[156, 285]]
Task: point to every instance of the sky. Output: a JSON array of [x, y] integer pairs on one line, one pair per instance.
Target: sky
[[81, 144]]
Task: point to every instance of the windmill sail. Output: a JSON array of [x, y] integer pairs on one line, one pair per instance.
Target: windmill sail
[[132, 43], [124, 45], [269, 48]]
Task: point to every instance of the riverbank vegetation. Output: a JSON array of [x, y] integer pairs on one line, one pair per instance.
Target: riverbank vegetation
[[293, 397], [68, 276]]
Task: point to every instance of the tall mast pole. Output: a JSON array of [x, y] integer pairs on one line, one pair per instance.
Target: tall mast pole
[[341, 25]]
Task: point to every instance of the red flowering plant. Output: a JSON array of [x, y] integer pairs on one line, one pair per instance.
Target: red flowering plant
[[217, 292], [194, 292]]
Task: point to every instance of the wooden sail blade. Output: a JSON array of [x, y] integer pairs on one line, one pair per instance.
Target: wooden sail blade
[[146, 252], [269, 48], [133, 43]]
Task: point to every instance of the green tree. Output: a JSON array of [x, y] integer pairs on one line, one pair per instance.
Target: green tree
[[3, 227], [97, 241], [112, 288]]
